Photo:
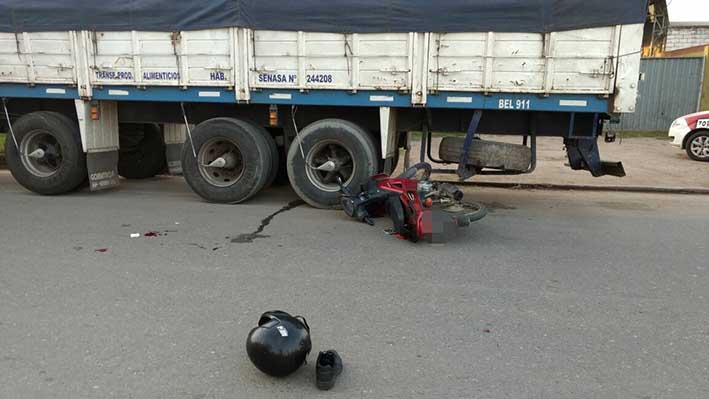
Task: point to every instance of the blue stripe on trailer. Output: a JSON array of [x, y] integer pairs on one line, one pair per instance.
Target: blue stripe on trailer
[[270, 96], [165, 93], [520, 102], [364, 98], [21, 90]]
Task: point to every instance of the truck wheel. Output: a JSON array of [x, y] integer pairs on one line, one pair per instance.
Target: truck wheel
[[697, 146], [341, 149], [275, 164], [142, 152], [280, 178], [487, 154], [50, 159], [233, 160]]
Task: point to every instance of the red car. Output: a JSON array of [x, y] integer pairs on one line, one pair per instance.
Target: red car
[[691, 133]]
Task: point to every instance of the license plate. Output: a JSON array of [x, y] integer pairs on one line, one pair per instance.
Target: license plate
[[703, 124]]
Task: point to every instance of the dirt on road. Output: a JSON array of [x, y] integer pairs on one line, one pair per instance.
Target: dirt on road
[[648, 162]]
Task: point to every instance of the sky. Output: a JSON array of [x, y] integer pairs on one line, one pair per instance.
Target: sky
[[688, 10]]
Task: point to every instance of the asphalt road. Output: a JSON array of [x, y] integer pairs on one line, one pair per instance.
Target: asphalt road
[[553, 295]]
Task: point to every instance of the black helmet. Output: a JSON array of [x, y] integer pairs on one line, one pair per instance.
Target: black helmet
[[280, 343]]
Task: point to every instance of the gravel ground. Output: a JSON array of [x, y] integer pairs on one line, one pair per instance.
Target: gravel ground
[[648, 162]]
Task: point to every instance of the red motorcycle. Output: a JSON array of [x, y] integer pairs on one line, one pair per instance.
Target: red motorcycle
[[419, 208]]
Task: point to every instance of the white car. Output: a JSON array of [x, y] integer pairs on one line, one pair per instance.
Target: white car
[[691, 133]]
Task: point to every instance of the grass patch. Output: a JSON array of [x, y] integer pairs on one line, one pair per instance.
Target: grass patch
[[651, 134], [2, 142]]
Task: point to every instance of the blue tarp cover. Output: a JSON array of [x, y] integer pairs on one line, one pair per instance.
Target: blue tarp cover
[[320, 15]]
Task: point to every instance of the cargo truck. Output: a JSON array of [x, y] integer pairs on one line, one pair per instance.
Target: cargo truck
[[233, 93]]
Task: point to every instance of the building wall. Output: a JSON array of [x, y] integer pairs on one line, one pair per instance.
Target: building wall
[[680, 37], [704, 102], [669, 88]]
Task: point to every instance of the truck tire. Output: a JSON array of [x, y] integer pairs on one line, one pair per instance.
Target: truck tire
[[275, 164], [349, 146], [280, 178], [487, 154], [249, 160], [62, 166], [142, 151]]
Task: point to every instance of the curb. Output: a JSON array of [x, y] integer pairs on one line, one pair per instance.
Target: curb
[[570, 187]]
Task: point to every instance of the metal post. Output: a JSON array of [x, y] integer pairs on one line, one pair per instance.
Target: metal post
[[572, 122], [189, 131], [9, 124], [407, 151], [463, 171], [424, 141]]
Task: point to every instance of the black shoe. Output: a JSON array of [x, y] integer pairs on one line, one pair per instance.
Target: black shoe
[[328, 367]]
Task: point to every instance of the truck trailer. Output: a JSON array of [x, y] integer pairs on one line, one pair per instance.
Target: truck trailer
[[234, 93]]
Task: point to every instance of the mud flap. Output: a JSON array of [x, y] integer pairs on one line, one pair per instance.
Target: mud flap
[[103, 169], [583, 155], [98, 125]]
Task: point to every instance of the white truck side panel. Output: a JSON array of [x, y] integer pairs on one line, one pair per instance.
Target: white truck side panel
[[38, 57], [628, 68], [306, 60], [586, 61], [191, 58], [579, 61]]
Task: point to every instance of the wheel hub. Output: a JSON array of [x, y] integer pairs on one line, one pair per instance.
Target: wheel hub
[[329, 163], [226, 161], [700, 146], [220, 162], [41, 153]]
